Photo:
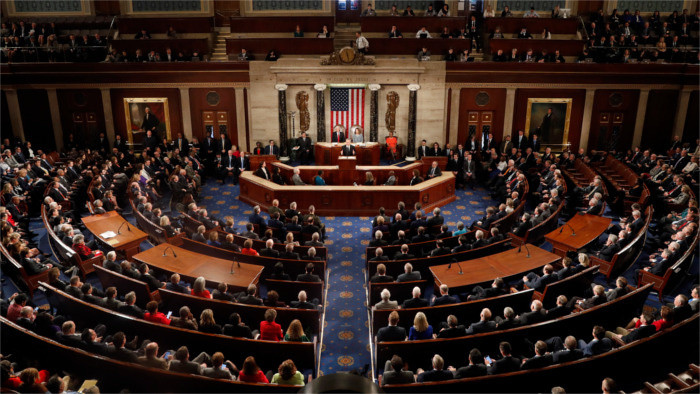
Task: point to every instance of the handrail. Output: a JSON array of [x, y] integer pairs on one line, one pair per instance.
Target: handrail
[[583, 25], [109, 33]]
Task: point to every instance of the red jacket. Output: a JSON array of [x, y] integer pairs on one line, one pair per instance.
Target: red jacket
[[157, 317], [270, 331]]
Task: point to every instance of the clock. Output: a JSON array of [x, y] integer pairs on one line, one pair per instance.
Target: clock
[[347, 55]]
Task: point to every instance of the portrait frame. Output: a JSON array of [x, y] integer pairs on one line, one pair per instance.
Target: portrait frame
[[134, 108], [560, 106]]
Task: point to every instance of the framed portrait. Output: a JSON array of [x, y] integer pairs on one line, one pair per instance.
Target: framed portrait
[[146, 113], [549, 118]]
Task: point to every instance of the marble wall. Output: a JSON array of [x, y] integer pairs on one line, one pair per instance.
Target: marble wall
[[392, 75]]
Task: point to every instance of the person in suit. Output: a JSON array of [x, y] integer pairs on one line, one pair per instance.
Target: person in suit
[[241, 164], [507, 363], [263, 172], [416, 178], [150, 121], [216, 371], [304, 148], [403, 254], [181, 362], [619, 290], [569, 353], [129, 307], [475, 368], [423, 150], [302, 303], [248, 297], [485, 324], [560, 310], [408, 274], [610, 248], [308, 275], [538, 283], [381, 276], [386, 302], [598, 345], [437, 374], [541, 358], [348, 149], [444, 298], [338, 134], [536, 314], [392, 332], [416, 301], [643, 328], [394, 373], [521, 141], [525, 224], [434, 171], [272, 149], [268, 250]]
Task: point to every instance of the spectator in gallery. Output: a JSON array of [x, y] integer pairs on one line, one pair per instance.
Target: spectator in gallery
[[423, 33], [395, 32], [271, 56], [444, 11], [408, 11], [394, 11], [423, 54], [324, 33], [506, 12], [369, 11], [171, 33], [430, 11], [318, 179], [531, 13], [244, 55], [298, 32], [142, 35], [451, 56]]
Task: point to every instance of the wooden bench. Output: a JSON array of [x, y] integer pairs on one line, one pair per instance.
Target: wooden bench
[[410, 26], [506, 223], [574, 285], [268, 354], [65, 254], [310, 25], [250, 314], [321, 251], [114, 375], [455, 351], [466, 312], [534, 25], [185, 45], [400, 291], [536, 234], [623, 259], [417, 248], [161, 25], [156, 234], [289, 289], [411, 46], [674, 274], [124, 284], [291, 267], [260, 47], [565, 47], [17, 271]]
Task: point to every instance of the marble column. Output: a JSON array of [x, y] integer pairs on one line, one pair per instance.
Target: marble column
[[641, 114], [587, 115], [240, 118], [320, 112], [374, 112], [55, 118], [508, 114], [412, 100], [15, 114], [109, 117], [282, 114], [186, 115], [681, 112]]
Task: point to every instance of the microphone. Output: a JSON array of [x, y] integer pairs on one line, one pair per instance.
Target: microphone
[[460, 268], [232, 263], [573, 232], [171, 249], [526, 248], [119, 230]]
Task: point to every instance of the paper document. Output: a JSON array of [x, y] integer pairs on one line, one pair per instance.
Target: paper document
[[108, 234]]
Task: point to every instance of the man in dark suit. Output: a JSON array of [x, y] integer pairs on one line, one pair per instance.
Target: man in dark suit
[[445, 298], [392, 332], [645, 329], [338, 134], [394, 373], [610, 249], [403, 254], [272, 149], [521, 141], [150, 121], [102, 144], [268, 250], [150, 142], [437, 374], [289, 253], [535, 143], [128, 308], [308, 275], [484, 324], [223, 144], [423, 150], [257, 218], [228, 164], [248, 297], [569, 353], [507, 363], [536, 314], [541, 358], [525, 224], [434, 171], [381, 276], [120, 144], [408, 275], [240, 164], [560, 310], [416, 301], [600, 344], [304, 151], [181, 362], [182, 144], [475, 368], [302, 303], [538, 283], [348, 149]]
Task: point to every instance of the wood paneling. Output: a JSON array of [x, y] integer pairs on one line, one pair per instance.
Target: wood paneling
[[186, 45], [410, 26], [578, 96], [259, 47], [690, 130], [81, 113], [36, 118], [227, 103], [589, 7], [6, 124], [160, 25], [623, 104], [467, 104], [173, 96], [107, 7], [658, 121], [565, 47], [411, 46], [534, 25], [310, 25]]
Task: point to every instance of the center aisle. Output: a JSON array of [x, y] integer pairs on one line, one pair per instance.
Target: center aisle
[[345, 344]]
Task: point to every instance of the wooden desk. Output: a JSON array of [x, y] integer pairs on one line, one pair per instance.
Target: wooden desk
[[485, 269], [260, 47], [187, 45], [534, 25], [565, 47], [411, 46], [586, 227], [326, 153], [348, 200], [256, 160], [410, 26], [127, 242], [310, 25], [192, 265]]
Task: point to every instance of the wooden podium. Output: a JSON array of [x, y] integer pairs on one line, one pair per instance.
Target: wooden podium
[[256, 160], [346, 169]]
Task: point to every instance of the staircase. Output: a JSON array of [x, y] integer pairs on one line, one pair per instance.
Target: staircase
[[218, 53], [344, 34]]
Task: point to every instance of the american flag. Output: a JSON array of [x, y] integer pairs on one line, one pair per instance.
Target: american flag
[[347, 107]]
